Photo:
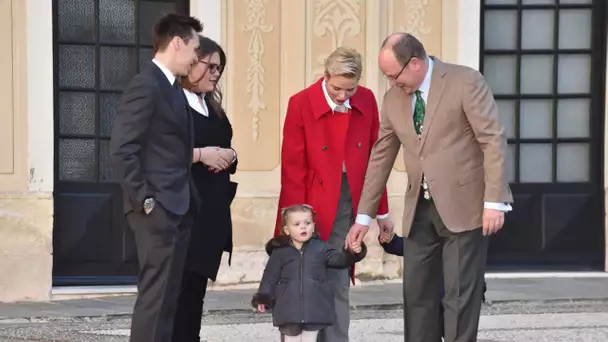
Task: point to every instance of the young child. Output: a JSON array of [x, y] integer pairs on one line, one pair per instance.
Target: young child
[[294, 283], [393, 244]]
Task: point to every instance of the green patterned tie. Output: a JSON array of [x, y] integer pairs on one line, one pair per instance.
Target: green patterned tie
[[418, 125], [419, 113]]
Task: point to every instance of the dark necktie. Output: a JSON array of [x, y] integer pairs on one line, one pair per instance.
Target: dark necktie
[[178, 97], [419, 107], [419, 113]]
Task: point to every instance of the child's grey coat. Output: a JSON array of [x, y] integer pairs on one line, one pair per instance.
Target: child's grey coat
[[295, 282]]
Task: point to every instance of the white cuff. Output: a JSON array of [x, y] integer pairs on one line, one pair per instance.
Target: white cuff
[[363, 219], [383, 216], [498, 206]]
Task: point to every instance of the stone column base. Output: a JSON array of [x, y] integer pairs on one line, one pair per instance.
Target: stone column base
[[26, 247]]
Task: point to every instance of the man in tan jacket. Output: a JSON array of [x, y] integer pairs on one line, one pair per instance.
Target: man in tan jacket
[[454, 149]]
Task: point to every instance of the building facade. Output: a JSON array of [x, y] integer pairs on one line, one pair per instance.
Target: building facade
[[67, 61]]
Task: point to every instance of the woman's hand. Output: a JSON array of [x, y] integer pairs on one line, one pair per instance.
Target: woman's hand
[[212, 157], [261, 308], [228, 154]]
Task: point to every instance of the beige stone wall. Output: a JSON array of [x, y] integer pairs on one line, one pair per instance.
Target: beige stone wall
[[25, 215], [13, 118], [275, 49], [606, 178]]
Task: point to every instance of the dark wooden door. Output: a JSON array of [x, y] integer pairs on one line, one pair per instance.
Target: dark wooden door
[[545, 62], [99, 45]]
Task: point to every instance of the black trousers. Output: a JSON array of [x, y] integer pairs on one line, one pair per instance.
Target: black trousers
[[430, 250], [161, 239], [187, 323]]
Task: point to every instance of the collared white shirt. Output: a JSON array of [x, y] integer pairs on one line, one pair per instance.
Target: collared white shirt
[[424, 89], [165, 71], [194, 102]]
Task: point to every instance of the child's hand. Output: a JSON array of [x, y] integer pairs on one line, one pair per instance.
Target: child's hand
[[386, 236], [356, 247], [261, 308]]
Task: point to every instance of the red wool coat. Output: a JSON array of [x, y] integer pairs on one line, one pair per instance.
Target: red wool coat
[[309, 172]]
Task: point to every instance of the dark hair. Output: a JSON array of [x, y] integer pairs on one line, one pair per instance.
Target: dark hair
[[297, 208], [207, 47], [174, 25], [405, 47]]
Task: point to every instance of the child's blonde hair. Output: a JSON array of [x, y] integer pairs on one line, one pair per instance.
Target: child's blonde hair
[[296, 208]]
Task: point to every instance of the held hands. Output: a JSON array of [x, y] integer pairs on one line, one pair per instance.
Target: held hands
[[386, 235], [493, 220], [387, 229], [228, 154], [358, 231], [356, 247], [355, 235], [216, 158]]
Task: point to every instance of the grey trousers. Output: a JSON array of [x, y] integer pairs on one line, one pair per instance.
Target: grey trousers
[[340, 279], [430, 250]]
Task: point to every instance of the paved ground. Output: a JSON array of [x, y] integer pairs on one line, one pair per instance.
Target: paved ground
[[376, 296], [506, 322], [525, 310]]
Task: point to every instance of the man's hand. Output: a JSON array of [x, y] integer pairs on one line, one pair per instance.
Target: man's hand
[[355, 235], [493, 221], [386, 227], [386, 236]]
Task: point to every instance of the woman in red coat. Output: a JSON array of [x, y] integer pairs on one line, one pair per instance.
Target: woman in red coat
[[329, 130]]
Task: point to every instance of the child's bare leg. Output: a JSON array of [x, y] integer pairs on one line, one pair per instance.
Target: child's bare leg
[[310, 336], [297, 338]]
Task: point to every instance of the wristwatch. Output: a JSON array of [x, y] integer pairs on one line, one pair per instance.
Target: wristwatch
[[149, 204]]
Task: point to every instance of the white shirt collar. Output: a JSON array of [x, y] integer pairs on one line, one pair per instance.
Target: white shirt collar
[[330, 102], [194, 103], [425, 87], [165, 71]]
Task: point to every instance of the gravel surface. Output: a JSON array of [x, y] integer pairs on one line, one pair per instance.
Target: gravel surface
[[513, 322]]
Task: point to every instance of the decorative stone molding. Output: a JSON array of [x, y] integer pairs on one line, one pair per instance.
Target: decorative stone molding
[[416, 18], [337, 19], [257, 26]]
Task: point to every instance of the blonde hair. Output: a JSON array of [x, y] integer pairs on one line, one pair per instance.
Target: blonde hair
[[344, 61]]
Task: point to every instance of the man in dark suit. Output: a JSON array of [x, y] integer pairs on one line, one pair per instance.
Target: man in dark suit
[[151, 149]]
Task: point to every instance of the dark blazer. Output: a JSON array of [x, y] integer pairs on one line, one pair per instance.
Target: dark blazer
[[295, 281], [151, 145]]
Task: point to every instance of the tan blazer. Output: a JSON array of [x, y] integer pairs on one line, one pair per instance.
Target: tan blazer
[[462, 150]]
